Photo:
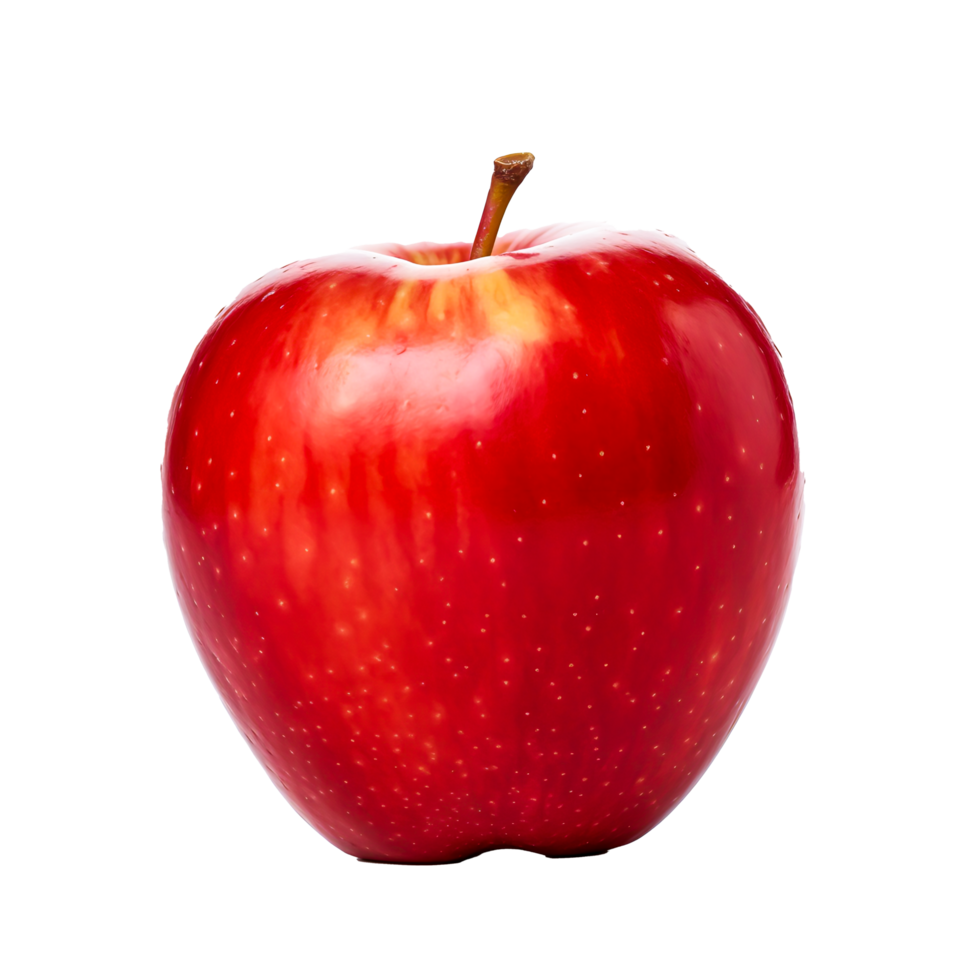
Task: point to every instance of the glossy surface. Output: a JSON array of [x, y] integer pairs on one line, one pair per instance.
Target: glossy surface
[[485, 554]]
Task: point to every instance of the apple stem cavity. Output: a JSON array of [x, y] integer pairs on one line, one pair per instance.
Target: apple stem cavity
[[508, 172]]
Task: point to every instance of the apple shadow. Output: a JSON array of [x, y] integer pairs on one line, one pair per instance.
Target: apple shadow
[[495, 854]]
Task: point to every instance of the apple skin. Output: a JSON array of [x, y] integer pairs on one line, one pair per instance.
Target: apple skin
[[491, 553]]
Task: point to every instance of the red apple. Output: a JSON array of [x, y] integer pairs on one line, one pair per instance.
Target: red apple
[[485, 553]]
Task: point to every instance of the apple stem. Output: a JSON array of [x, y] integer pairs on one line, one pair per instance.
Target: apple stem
[[508, 172]]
